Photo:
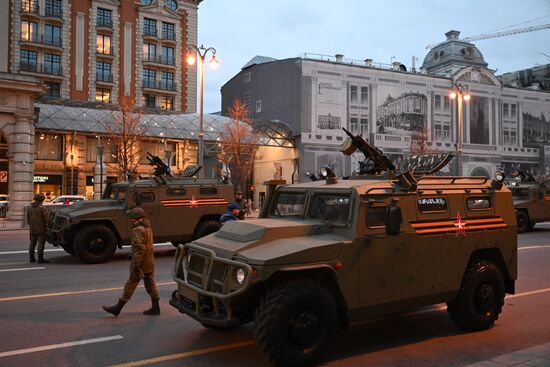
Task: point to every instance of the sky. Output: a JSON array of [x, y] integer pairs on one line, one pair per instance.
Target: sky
[[384, 31]]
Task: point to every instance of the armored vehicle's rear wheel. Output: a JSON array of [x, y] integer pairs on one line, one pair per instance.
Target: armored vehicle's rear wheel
[[481, 297], [206, 227], [294, 322], [94, 243], [523, 221]]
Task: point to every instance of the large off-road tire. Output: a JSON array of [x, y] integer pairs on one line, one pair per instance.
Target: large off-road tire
[[294, 321], [206, 227], [94, 243], [481, 297], [522, 220]]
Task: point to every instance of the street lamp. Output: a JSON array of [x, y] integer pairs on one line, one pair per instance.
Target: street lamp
[[191, 59], [459, 92]]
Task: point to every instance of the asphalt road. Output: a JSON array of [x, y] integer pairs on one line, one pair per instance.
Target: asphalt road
[[51, 315]]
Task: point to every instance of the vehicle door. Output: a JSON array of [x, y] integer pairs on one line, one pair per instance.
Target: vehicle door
[[382, 257], [545, 202], [174, 212]]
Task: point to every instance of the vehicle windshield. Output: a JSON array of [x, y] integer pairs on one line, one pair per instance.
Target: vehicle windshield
[[115, 192], [330, 207], [288, 204], [520, 193]]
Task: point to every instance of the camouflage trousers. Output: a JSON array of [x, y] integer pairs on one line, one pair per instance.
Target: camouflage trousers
[[37, 239], [133, 281]]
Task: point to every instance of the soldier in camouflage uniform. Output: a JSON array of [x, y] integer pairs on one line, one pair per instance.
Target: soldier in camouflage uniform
[[38, 218], [142, 265]]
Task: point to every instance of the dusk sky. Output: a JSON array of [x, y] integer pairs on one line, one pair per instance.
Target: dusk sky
[[383, 31]]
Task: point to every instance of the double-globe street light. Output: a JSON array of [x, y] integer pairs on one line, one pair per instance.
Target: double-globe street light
[[459, 92], [191, 59]]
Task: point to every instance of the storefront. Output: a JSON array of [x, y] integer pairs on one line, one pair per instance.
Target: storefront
[[49, 185]]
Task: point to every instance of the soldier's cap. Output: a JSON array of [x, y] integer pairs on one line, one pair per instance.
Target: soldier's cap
[[39, 197], [233, 206], [136, 213]]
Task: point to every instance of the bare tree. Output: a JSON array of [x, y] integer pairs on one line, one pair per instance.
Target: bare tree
[[239, 144], [419, 142], [125, 133]]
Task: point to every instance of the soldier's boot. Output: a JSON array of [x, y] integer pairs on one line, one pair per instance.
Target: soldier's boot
[[155, 308], [41, 259], [32, 259], [115, 310]]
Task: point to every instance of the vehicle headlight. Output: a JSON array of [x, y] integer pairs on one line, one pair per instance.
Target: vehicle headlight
[[240, 275]]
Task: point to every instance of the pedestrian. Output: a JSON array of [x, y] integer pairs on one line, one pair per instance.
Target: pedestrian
[[238, 198], [142, 264], [39, 219], [248, 207], [232, 213]]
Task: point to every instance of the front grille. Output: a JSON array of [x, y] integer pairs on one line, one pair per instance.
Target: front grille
[[197, 269], [59, 221]]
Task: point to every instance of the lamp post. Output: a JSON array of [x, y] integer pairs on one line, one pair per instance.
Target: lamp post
[[459, 92], [191, 59]]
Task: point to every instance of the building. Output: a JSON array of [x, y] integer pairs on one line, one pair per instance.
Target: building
[[94, 50], [318, 95]]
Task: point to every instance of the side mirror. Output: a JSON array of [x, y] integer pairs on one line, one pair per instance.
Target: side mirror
[[138, 198], [394, 220]]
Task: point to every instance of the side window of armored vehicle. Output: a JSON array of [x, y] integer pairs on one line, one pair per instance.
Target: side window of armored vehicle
[[478, 203], [175, 192], [118, 193], [288, 204], [208, 191], [330, 207], [520, 193], [376, 216], [433, 204], [144, 197]]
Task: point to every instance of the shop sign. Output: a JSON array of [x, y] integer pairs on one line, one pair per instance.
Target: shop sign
[[40, 179], [3, 176]]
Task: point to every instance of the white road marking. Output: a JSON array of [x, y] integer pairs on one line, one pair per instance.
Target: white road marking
[[57, 346], [61, 250], [22, 269], [533, 247]]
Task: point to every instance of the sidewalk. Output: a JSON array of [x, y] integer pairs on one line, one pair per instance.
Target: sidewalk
[[538, 356], [10, 225]]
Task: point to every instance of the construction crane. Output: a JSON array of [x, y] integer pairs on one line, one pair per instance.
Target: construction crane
[[484, 36]]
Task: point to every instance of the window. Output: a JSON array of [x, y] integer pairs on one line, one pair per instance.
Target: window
[[505, 110], [103, 95], [513, 111], [167, 80], [28, 60], [446, 104], [149, 101], [104, 45], [364, 95], [48, 147], [149, 27], [353, 94], [149, 77], [109, 150], [330, 207], [246, 100], [155, 148], [354, 125], [103, 71], [172, 4], [432, 204], [54, 89], [376, 216], [168, 31], [364, 127], [144, 197], [104, 18], [30, 6], [149, 52], [288, 204], [258, 105], [53, 8], [478, 203], [167, 103], [175, 191], [167, 56], [52, 64], [29, 31], [247, 77], [437, 102], [146, 2], [52, 35]]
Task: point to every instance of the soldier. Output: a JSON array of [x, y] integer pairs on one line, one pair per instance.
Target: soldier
[[142, 265], [39, 219]]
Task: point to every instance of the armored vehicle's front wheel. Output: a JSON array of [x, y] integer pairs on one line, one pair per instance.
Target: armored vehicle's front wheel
[[94, 243], [523, 221], [294, 322], [481, 297]]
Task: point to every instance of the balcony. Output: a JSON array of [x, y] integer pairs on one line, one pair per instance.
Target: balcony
[[53, 12], [49, 69], [104, 23], [43, 39], [160, 85], [104, 77], [159, 59], [168, 35], [30, 7]]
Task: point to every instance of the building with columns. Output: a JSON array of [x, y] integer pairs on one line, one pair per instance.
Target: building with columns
[[503, 127]]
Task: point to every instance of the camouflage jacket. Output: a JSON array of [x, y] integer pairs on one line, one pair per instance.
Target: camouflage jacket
[[38, 218], [143, 256]]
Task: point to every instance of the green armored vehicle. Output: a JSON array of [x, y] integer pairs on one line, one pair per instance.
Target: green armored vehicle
[[180, 209], [331, 253], [532, 202]]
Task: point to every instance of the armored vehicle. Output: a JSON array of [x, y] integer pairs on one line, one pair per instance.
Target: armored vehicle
[[179, 208], [333, 252], [531, 201]]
